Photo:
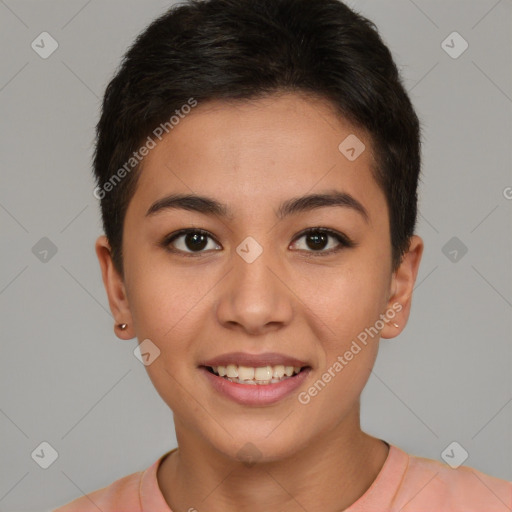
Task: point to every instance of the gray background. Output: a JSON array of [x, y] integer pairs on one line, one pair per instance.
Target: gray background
[[64, 376]]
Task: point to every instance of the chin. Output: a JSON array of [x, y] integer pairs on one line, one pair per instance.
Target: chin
[[251, 447]]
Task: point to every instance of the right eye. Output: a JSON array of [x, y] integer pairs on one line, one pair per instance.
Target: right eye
[[190, 242]]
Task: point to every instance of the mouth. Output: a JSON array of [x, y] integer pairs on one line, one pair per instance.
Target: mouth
[[256, 376], [255, 379]]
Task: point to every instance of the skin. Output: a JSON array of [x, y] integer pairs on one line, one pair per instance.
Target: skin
[[291, 299]]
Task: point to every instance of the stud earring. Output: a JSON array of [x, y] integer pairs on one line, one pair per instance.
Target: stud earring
[[396, 325], [123, 326]]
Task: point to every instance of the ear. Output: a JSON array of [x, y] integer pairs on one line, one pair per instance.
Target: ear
[[114, 286], [402, 285]]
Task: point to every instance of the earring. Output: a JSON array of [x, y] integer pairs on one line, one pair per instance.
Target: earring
[[396, 325], [123, 326]]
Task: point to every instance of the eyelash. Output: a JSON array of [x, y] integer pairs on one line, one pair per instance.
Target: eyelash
[[344, 241]]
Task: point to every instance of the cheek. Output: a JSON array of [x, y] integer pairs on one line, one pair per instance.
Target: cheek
[[170, 306], [346, 299], [347, 304], [164, 296], [167, 307]]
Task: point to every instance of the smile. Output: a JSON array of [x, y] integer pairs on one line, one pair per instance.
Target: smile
[[261, 375]]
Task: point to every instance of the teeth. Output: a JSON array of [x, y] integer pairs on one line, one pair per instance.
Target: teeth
[[245, 373], [258, 375], [278, 372], [231, 370], [263, 374]]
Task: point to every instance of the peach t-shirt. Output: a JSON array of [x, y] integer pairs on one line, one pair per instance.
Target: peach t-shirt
[[406, 483]]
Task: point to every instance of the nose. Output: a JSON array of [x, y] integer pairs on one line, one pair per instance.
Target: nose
[[254, 297]]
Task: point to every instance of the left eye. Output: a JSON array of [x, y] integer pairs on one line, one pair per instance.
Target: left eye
[[317, 240]]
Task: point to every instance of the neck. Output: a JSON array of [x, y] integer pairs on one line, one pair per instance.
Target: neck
[[329, 474]]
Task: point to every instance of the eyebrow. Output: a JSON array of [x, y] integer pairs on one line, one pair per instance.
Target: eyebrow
[[210, 206]]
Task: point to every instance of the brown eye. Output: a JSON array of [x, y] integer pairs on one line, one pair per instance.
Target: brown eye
[[191, 241], [317, 241], [322, 240]]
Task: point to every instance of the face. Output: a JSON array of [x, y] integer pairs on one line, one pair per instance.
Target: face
[[259, 279]]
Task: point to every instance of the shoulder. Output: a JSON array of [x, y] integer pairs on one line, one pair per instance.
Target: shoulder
[[123, 494], [430, 483]]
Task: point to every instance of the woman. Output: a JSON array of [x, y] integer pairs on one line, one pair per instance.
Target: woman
[[257, 164]]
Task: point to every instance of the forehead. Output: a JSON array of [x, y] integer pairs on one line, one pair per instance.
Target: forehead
[[261, 151]]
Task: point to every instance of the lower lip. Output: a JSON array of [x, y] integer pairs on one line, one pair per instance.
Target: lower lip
[[258, 394]]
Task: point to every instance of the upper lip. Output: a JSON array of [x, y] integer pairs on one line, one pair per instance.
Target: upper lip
[[254, 360]]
